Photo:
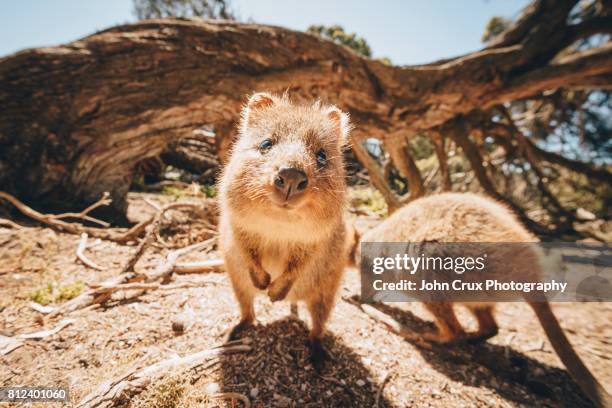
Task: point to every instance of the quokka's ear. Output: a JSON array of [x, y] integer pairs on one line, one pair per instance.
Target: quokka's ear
[[341, 122], [257, 102], [260, 100]]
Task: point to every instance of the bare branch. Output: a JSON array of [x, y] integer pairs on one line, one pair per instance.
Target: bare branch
[[459, 133], [80, 253], [577, 70], [536, 12], [376, 175], [439, 144]]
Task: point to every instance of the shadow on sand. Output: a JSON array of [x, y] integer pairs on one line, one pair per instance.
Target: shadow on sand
[[495, 367], [276, 373]]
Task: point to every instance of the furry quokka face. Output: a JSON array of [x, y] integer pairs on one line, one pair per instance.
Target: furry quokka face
[[288, 159]]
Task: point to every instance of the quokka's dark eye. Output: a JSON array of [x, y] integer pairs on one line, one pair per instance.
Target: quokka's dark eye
[[321, 158], [265, 145]]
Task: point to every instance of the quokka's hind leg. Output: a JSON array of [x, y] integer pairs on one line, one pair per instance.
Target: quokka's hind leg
[[319, 308], [449, 328], [245, 294], [487, 326]]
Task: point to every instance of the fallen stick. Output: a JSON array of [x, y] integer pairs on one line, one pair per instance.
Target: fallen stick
[[116, 235], [156, 286], [380, 389], [209, 265], [102, 292], [113, 392], [164, 269], [8, 344], [84, 215], [40, 308], [55, 222], [10, 224], [95, 295], [80, 253], [140, 249], [151, 227], [46, 333]]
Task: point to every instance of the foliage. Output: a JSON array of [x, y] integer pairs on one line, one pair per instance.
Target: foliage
[[209, 191], [50, 292], [494, 27], [337, 34], [175, 192], [42, 294], [368, 199], [69, 291], [212, 9], [421, 146], [575, 123]]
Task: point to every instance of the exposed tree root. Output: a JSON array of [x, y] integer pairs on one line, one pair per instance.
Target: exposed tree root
[[55, 221], [115, 234]]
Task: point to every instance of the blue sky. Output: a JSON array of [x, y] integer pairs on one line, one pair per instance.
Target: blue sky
[[407, 31]]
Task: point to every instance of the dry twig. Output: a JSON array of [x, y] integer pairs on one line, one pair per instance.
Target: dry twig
[[115, 234], [209, 265], [10, 224], [102, 292], [84, 215], [381, 388], [80, 253], [46, 333]]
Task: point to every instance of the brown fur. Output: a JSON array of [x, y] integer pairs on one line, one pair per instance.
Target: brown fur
[[294, 249], [456, 217]]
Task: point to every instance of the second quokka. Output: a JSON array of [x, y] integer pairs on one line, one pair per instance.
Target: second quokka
[[469, 218], [282, 197]]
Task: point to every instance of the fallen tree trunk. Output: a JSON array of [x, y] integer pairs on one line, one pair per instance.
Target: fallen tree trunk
[[76, 119]]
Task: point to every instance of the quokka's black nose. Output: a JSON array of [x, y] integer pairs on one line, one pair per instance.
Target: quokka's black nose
[[291, 182]]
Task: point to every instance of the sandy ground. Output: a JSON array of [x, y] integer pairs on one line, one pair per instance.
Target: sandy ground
[[516, 368]]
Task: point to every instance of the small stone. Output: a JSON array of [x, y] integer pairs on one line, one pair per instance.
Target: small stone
[[178, 326], [254, 392], [360, 382], [212, 388]]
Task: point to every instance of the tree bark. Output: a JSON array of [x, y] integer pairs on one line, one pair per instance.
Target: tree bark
[[76, 119]]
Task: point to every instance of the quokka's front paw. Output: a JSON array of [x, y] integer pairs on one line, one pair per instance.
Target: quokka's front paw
[[260, 278], [279, 288]]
